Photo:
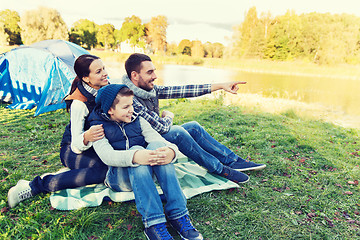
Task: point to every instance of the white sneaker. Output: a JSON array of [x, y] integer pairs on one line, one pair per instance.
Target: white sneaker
[[19, 192]]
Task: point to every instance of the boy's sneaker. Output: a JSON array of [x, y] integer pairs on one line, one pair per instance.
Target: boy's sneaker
[[19, 192], [185, 229], [234, 175], [246, 165], [158, 232]]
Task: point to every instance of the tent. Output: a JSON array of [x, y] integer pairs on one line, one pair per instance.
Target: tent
[[38, 75]]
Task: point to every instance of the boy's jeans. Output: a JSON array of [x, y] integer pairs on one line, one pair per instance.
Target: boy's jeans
[[198, 145], [147, 198]]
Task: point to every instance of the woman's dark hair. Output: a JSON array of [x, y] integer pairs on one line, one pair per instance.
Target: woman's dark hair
[[82, 69], [134, 61]]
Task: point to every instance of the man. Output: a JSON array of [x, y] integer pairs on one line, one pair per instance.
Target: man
[[191, 138]]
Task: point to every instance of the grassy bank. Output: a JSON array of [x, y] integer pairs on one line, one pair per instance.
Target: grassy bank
[[309, 189]]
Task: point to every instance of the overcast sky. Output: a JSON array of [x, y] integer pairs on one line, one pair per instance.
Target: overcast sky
[[204, 20]]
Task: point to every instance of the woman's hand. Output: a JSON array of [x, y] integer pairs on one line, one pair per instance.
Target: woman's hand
[[94, 133]]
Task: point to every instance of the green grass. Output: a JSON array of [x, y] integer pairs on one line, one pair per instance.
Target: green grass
[[304, 193]]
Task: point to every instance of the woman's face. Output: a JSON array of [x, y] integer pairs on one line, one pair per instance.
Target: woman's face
[[98, 76]]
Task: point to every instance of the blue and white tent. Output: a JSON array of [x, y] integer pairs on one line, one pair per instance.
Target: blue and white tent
[[38, 75]]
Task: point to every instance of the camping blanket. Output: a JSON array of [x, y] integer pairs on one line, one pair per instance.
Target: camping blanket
[[193, 181]]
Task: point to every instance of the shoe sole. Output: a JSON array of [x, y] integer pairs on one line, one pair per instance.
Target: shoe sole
[[250, 169], [11, 205], [13, 189]]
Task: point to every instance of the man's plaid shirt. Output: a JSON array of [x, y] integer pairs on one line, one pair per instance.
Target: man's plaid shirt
[[162, 125]]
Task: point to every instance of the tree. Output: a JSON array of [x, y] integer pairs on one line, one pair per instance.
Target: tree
[[3, 36], [10, 24], [244, 34], [105, 35], [41, 24], [197, 49], [156, 33], [83, 33], [132, 30], [184, 47], [214, 50]]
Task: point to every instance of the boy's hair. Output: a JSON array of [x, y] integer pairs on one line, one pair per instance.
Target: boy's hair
[[124, 92], [107, 95], [134, 61]]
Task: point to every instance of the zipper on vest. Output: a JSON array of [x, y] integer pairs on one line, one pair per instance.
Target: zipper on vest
[[123, 131]]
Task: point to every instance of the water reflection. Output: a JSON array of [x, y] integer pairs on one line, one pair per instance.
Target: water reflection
[[339, 94]]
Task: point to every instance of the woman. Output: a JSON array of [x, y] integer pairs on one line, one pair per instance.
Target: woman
[[76, 150]]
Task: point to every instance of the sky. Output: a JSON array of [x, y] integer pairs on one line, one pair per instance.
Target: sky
[[204, 20]]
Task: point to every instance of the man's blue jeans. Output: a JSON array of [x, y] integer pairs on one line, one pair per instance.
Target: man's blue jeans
[[147, 199], [197, 144]]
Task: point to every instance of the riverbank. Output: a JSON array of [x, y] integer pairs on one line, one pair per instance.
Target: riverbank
[[294, 68]]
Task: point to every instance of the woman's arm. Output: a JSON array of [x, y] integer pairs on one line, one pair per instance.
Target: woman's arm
[[78, 113]]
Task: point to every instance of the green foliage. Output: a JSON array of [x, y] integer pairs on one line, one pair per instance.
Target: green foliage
[[42, 24], [320, 38], [9, 27], [84, 33], [105, 35], [132, 30]]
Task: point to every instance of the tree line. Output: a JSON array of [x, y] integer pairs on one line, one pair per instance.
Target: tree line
[[46, 23], [312, 37]]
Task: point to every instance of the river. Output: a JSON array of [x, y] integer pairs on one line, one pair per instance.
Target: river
[[327, 98]]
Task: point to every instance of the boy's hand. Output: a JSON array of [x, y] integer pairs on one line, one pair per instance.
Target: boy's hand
[[145, 157], [166, 113], [165, 155]]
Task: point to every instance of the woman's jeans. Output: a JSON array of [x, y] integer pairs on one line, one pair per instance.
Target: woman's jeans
[[197, 144], [147, 198], [85, 169]]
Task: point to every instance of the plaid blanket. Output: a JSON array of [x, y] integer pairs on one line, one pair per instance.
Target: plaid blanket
[[193, 179]]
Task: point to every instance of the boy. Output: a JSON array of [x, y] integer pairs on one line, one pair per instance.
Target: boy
[[136, 153]]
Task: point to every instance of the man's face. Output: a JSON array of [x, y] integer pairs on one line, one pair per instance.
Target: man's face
[[147, 76]]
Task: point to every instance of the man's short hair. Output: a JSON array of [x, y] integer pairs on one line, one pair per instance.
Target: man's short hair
[[134, 61]]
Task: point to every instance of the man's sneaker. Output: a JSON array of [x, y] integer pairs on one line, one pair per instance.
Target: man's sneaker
[[246, 165], [233, 175], [19, 192], [185, 229], [158, 232]]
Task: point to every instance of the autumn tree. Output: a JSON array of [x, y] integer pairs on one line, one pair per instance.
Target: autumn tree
[[105, 35], [10, 29], [41, 24], [156, 33], [84, 33], [197, 49], [133, 31], [243, 33], [184, 47], [3, 35]]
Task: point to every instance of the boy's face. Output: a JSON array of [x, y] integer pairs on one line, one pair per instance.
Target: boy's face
[[123, 110]]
